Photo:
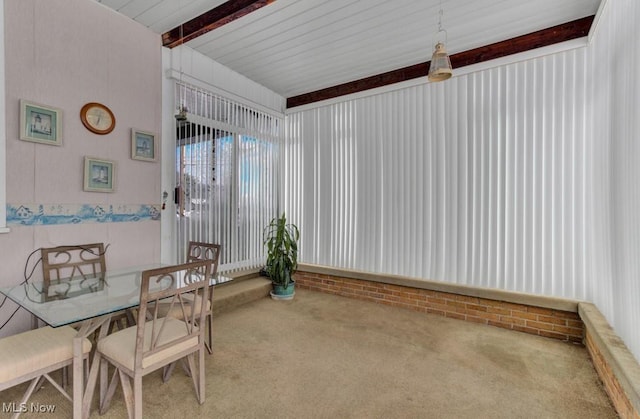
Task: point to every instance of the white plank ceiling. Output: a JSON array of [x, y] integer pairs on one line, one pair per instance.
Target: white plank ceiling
[[298, 46]]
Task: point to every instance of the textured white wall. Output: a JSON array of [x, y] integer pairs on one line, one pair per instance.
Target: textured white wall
[[3, 131], [65, 53], [614, 98], [201, 71]]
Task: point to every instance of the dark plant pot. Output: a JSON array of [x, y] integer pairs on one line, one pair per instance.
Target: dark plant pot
[[281, 293]]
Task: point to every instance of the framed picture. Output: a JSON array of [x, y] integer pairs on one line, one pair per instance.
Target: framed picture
[[40, 124], [143, 145], [99, 175]]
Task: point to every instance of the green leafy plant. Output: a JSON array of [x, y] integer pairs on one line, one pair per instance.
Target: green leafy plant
[[281, 241]]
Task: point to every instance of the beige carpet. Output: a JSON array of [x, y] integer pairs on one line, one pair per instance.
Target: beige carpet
[[322, 356]]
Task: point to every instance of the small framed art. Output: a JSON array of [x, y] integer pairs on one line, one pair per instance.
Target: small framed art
[[99, 175], [40, 123], [143, 145]]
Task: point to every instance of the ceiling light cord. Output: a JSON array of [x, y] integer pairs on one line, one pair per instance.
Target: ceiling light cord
[[440, 30], [440, 65]]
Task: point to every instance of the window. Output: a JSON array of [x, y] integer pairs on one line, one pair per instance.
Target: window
[[226, 175]]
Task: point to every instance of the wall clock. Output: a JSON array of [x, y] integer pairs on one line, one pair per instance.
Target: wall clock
[[97, 118]]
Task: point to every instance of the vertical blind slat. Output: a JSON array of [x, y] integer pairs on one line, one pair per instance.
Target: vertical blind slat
[[473, 181], [229, 176]]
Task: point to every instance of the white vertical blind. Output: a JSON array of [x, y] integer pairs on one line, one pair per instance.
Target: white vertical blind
[[227, 172], [481, 180]]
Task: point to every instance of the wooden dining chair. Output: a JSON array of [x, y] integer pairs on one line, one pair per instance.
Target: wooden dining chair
[[211, 252], [67, 270], [75, 261], [33, 355], [156, 342], [75, 269], [195, 252]]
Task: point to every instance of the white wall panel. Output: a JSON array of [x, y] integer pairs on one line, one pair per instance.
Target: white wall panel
[[197, 69], [615, 97], [3, 138]]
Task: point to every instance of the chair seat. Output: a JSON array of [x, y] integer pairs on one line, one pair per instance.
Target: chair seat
[[121, 346], [37, 349], [176, 310]]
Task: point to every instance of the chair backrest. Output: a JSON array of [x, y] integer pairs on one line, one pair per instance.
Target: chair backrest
[[204, 251], [82, 261], [168, 285], [71, 270]]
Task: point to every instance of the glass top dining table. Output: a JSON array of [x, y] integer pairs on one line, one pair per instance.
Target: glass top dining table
[[69, 301], [89, 302], [75, 300]]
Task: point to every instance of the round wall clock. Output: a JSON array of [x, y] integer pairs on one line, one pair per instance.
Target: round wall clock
[[97, 118]]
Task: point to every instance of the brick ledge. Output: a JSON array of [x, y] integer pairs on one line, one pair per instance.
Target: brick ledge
[[553, 303], [472, 304], [615, 364]]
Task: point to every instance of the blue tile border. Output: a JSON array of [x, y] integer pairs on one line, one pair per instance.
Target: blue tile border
[[57, 214]]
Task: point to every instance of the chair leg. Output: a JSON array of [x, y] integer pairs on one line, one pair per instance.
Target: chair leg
[[58, 387], [201, 377], [67, 373], [209, 337], [137, 396], [118, 322], [105, 401], [131, 319], [65, 376], [167, 371], [40, 383], [128, 396], [27, 394], [185, 367], [194, 374]]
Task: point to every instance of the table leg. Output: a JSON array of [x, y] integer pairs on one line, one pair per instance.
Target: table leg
[[35, 323], [78, 376], [98, 366], [82, 398]]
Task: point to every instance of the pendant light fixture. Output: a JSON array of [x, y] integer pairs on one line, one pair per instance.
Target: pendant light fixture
[[181, 116], [440, 66]]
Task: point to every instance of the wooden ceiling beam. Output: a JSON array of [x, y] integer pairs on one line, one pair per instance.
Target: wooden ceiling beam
[[219, 16], [560, 33]]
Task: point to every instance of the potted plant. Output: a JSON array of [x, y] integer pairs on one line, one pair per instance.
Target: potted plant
[[281, 241]]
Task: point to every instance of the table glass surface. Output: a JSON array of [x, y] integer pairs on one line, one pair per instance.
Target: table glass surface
[[69, 301]]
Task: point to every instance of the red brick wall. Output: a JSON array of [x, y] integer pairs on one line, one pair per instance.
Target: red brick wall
[[557, 324], [609, 381]]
